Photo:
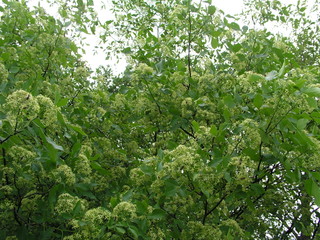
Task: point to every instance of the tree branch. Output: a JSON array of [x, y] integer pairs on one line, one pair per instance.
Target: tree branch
[[5, 164], [314, 234], [214, 208], [11, 135], [188, 133]]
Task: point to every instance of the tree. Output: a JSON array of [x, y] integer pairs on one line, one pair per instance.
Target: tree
[[212, 132]]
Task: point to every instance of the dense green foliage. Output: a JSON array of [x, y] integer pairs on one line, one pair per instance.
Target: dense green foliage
[[212, 132]]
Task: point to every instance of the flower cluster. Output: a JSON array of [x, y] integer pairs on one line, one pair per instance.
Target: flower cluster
[[82, 165], [66, 204], [124, 211], [179, 13], [186, 107], [179, 205], [138, 177], [183, 160], [3, 73], [6, 216], [281, 45], [243, 168], [197, 230], [63, 174], [143, 68], [48, 111], [251, 136], [155, 233], [233, 226], [21, 107], [97, 216], [91, 224], [21, 154], [30, 204]]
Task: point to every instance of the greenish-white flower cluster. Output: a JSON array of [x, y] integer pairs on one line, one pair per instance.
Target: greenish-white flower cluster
[[63, 174], [21, 107], [3, 73], [143, 68], [66, 204], [82, 165], [48, 111], [124, 211]]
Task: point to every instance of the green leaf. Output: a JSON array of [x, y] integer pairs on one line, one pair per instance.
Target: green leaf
[[258, 101], [171, 187], [80, 3], [257, 188], [73, 47], [134, 231], [302, 123], [77, 129], [96, 166], [60, 118], [67, 24], [53, 144], [14, 69], [215, 33], [313, 190], [157, 214], [316, 175], [255, 77], [282, 70], [234, 26], [147, 169], [214, 42], [211, 10], [127, 50], [213, 130], [39, 123], [271, 75], [236, 47], [312, 102], [114, 201], [75, 149], [62, 102], [312, 91], [52, 198], [77, 208], [229, 101], [120, 230], [195, 126], [127, 195], [245, 29]]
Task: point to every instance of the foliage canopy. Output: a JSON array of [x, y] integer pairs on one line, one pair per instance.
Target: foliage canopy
[[212, 131]]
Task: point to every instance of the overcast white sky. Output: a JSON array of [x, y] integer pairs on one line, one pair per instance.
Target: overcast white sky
[[94, 60]]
